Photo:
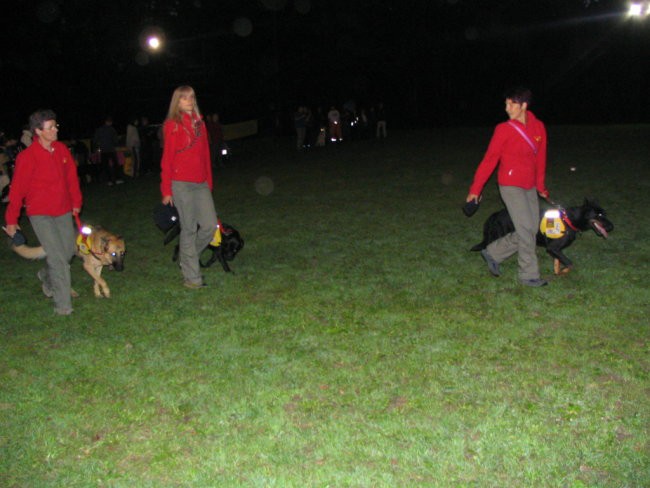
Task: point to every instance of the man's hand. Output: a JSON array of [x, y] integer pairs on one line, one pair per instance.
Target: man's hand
[[471, 197], [168, 200]]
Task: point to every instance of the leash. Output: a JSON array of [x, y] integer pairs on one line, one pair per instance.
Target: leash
[[525, 136], [78, 221]]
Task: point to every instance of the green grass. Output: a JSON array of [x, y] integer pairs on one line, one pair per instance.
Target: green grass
[[359, 343]]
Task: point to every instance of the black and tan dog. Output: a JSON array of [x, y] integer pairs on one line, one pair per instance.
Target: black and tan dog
[[560, 229], [225, 245], [97, 248], [229, 244]]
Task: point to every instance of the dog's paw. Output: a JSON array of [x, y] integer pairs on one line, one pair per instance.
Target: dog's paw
[[98, 291], [558, 269]]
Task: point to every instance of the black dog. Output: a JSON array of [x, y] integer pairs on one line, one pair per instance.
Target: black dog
[[231, 244], [590, 215]]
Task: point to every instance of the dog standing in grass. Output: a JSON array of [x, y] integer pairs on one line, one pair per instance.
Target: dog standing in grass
[[45, 181], [97, 248], [557, 230]]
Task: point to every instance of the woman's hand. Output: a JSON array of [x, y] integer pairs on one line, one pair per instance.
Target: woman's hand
[[11, 229]]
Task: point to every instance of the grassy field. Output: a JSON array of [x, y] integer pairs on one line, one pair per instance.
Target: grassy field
[[358, 343]]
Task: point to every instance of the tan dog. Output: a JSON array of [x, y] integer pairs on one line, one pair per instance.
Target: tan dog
[[98, 249]]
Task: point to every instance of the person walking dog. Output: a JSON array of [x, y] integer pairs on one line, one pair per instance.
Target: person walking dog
[[46, 183], [518, 147], [186, 181]]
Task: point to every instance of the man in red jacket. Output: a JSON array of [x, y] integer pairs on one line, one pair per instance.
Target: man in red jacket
[[45, 181], [518, 146]]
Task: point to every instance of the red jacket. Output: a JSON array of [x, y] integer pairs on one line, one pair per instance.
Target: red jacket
[[518, 163], [186, 155], [45, 181]]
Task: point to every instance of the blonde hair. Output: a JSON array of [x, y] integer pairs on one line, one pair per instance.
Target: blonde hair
[[174, 112]]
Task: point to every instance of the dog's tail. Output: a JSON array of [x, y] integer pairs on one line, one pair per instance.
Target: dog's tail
[[29, 252]]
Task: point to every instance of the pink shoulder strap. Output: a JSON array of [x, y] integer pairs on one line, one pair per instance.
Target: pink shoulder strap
[[525, 136]]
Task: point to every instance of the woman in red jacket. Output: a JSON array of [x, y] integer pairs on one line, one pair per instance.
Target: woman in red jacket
[[518, 146], [186, 181], [46, 182]]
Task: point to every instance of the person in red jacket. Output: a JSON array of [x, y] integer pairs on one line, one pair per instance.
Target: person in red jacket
[[186, 181], [518, 146], [45, 181]]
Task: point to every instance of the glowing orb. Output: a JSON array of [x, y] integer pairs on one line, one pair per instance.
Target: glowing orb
[[264, 185]]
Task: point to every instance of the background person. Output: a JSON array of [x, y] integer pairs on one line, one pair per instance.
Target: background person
[[26, 137], [300, 124], [186, 180], [518, 146], [45, 181], [105, 141], [133, 143], [334, 119], [381, 121]]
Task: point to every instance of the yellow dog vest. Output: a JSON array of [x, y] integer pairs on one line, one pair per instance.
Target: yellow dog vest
[[84, 243], [552, 225], [216, 240]]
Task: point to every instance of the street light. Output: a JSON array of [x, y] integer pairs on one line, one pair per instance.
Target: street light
[[639, 9], [152, 39], [153, 42]]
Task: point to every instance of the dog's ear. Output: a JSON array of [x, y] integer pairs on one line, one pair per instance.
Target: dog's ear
[[105, 243]]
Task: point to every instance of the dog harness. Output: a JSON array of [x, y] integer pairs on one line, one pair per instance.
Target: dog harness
[[554, 223], [216, 240], [84, 243], [84, 239]]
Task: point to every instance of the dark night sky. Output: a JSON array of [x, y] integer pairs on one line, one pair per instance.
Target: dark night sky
[[434, 62]]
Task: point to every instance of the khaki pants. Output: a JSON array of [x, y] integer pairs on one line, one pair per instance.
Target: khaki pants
[[198, 221], [57, 236], [523, 207]]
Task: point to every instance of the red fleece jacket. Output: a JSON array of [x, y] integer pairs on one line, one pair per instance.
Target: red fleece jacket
[[186, 155], [44, 181], [518, 163]]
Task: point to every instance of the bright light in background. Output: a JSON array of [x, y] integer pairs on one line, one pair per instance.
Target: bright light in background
[[152, 39], [639, 9], [153, 42]]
